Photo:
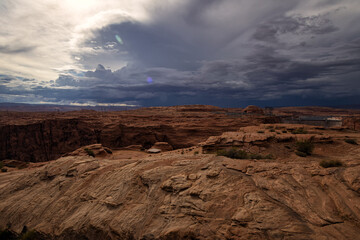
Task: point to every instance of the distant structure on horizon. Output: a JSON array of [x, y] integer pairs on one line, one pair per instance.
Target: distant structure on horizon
[[322, 121]]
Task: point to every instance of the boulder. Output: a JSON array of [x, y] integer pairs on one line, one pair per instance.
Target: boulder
[[153, 150], [94, 150]]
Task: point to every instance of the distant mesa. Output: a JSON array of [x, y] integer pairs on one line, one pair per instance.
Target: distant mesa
[[253, 109]]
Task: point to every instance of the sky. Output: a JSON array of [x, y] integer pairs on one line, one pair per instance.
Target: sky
[[228, 53]]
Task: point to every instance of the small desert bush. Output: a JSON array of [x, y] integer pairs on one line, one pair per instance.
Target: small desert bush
[[196, 152], [305, 147], [260, 131], [1, 165], [299, 131], [272, 130], [351, 141], [241, 154], [331, 163], [90, 152], [233, 153], [29, 235], [284, 131], [259, 156], [268, 127]]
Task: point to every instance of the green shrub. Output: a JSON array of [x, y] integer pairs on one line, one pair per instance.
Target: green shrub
[[330, 163], [233, 153], [3, 170], [299, 131], [351, 141], [90, 152], [306, 147], [196, 152]]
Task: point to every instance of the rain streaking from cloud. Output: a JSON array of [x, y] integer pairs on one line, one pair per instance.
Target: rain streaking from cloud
[[154, 52]]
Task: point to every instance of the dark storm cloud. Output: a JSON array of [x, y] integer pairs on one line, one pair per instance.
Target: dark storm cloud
[[298, 25], [217, 52]]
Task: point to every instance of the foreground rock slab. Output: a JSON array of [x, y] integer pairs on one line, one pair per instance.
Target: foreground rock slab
[[183, 196]]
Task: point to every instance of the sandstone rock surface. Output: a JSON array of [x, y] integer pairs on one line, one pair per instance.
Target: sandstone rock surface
[[186, 196]]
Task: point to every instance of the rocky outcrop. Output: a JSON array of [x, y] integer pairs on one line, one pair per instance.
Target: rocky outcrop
[[260, 139], [185, 196], [163, 146], [94, 150], [253, 110]]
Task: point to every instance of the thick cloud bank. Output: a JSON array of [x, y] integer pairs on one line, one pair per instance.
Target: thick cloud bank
[[226, 53]]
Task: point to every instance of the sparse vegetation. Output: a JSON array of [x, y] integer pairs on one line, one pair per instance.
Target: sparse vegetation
[[1, 165], [268, 127], [10, 235], [331, 163], [260, 131], [299, 131], [272, 130], [196, 153], [351, 141], [284, 131], [304, 148], [90, 152], [241, 154], [29, 235]]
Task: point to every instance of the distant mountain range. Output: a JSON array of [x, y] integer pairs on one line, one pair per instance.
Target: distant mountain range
[[24, 107]]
